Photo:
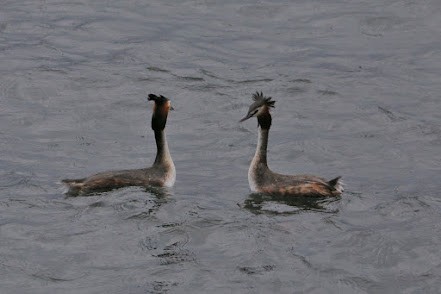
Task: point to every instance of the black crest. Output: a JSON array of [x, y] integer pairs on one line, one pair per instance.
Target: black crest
[[260, 98], [158, 99], [160, 112]]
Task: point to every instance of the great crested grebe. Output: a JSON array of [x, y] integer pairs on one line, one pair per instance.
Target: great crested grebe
[[262, 180], [161, 174]]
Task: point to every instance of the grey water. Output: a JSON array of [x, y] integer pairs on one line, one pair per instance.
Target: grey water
[[357, 85]]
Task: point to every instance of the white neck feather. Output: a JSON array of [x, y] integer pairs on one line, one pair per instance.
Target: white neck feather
[[259, 161], [163, 158]]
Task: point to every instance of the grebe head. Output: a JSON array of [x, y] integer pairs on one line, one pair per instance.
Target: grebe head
[[260, 109], [160, 111]]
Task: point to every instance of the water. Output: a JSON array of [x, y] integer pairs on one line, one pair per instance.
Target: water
[[357, 90]]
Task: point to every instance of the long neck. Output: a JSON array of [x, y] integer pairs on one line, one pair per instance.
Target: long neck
[[162, 154], [262, 146], [264, 121], [259, 166]]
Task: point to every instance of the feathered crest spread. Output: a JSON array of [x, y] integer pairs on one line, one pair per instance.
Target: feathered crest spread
[[258, 97]]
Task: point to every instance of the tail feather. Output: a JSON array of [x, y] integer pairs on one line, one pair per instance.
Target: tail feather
[[73, 185], [337, 184]]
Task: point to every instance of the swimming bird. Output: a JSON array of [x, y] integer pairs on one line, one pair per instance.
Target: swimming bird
[[162, 173], [260, 177]]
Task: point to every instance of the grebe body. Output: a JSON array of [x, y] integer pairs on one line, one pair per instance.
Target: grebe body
[[263, 180], [161, 174]]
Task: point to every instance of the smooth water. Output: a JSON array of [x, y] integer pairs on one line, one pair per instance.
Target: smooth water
[[357, 85]]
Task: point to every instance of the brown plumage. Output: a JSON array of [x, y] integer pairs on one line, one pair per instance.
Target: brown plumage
[[262, 179]]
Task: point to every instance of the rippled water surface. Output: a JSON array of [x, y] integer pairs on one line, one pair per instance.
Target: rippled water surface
[[357, 85]]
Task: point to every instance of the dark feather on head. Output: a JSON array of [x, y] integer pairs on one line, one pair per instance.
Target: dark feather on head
[[260, 98], [158, 99], [160, 111]]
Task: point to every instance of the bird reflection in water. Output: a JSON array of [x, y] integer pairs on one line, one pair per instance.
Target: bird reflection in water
[[259, 203]]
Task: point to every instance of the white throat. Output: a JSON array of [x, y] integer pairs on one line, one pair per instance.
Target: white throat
[[259, 161], [163, 158]]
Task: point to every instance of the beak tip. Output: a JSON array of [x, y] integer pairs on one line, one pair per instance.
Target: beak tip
[[245, 118]]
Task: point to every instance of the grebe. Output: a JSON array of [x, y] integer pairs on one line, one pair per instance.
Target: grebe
[[262, 180], [162, 173]]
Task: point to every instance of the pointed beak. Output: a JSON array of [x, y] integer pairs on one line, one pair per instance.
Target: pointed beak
[[172, 108], [246, 117]]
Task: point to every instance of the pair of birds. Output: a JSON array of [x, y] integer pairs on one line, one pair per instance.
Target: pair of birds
[[163, 173]]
